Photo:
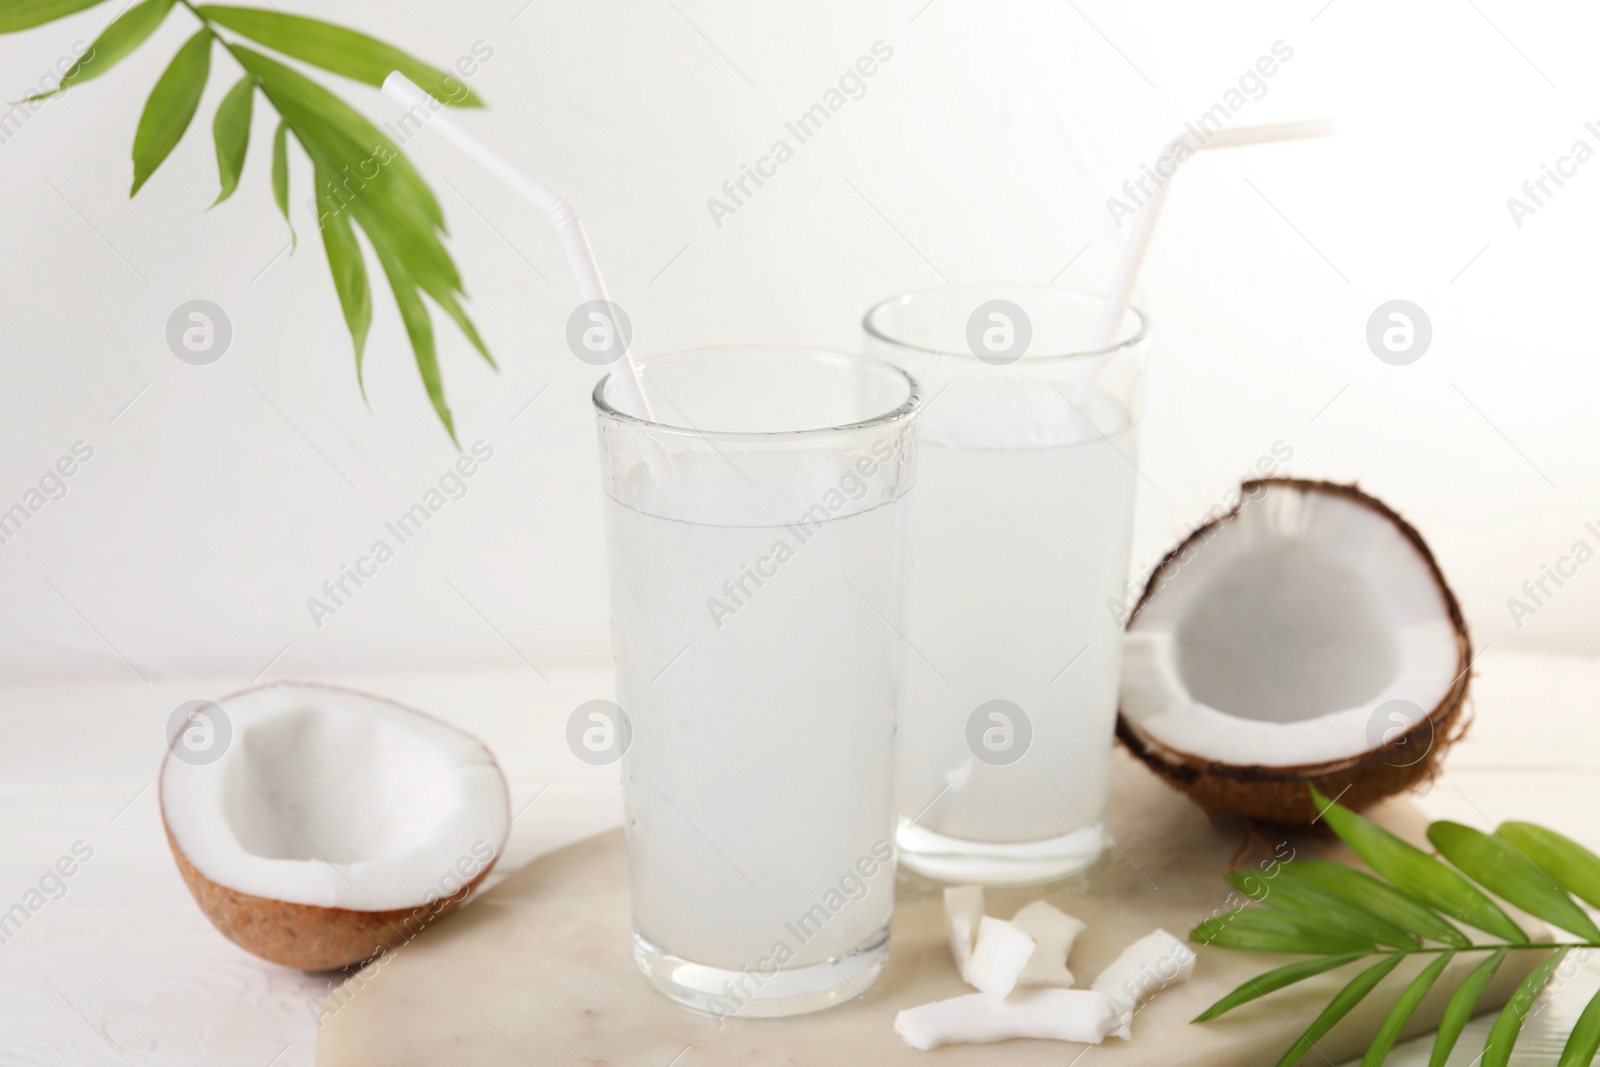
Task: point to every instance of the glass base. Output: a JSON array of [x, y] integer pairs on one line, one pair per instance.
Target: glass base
[[753, 994], [1013, 863]]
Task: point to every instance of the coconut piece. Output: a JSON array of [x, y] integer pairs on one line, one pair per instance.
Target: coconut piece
[[1054, 931], [1308, 635], [1003, 950], [1149, 965], [333, 824], [963, 913], [1080, 1015]]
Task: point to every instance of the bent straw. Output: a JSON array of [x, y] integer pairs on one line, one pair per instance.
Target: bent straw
[[580, 257], [1133, 255]]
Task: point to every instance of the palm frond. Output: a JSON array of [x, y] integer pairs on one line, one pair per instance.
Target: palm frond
[[1339, 916], [362, 176]]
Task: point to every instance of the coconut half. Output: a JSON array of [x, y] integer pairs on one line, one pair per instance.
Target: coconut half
[[1308, 635], [333, 824]]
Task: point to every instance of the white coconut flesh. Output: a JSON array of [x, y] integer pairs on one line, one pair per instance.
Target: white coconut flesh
[[998, 964], [339, 800], [1079, 1015], [1274, 641], [1054, 931], [999, 958], [1143, 969], [963, 914]]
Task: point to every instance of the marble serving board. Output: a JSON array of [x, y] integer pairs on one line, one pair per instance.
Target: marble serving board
[[538, 970]]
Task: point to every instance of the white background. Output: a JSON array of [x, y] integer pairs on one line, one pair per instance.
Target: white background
[[223, 496]]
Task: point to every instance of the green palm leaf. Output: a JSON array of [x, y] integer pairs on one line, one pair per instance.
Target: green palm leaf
[[1272, 981], [1379, 897], [432, 282], [1322, 905], [1268, 930], [362, 178], [1416, 873], [1340, 1006], [1395, 1021], [1497, 865], [362, 173], [1584, 1041], [1508, 1027], [280, 177], [1459, 1010], [230, 130], [343, 51], [349, 271], [365, 160], [171, 106], [420, 329], [127, 32], [1575, 868], [25, 14]]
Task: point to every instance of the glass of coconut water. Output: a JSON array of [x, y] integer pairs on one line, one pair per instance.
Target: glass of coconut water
[[1021, 527], [756, 529]]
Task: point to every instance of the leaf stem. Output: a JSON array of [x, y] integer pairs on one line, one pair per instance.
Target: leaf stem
[[1495, 946], [1488, 946], [208, 24]]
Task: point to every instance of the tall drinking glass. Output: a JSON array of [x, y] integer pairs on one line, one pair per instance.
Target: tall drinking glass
[[1021, 529], [756, 530]]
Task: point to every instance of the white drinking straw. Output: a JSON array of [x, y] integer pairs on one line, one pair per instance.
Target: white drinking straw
[[1133, 255], [580, 257]]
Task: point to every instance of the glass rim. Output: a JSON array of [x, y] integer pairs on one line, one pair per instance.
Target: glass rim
[[1140, 335], [904, 410]]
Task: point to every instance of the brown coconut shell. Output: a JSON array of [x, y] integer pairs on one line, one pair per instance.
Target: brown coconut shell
[[1278, 795], [308, 936]]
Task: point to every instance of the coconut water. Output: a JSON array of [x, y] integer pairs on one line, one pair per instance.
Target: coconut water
[[757, 667], [1020, 536]]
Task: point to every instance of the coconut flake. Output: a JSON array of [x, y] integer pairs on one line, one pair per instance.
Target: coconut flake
[[963, 913], [1003, 950], [1080, 1015], [1055, 931], [1149, 965]]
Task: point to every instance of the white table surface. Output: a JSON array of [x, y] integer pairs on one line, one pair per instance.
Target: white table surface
[[124, 969]]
